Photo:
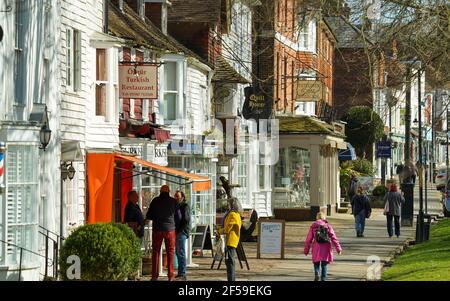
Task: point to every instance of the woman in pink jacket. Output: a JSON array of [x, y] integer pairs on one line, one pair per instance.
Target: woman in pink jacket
[[321, 235]]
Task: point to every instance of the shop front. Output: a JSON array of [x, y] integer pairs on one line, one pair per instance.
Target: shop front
[[306, 176]]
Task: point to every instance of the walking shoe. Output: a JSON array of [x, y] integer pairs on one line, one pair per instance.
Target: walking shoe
[[316, 277], [180, 278]]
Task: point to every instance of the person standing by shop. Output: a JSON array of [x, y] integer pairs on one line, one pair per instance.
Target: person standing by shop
[[321, 235], [392, 209], [182, 222], [231, 227], [361, 210], [133, 216], [162, 213]]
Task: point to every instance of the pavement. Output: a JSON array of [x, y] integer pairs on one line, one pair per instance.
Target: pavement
[[362, 258]]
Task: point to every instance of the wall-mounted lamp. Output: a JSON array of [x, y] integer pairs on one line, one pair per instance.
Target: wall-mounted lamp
[[44, 136]]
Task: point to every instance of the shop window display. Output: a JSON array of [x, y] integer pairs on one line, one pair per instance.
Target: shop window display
[[292, 178]]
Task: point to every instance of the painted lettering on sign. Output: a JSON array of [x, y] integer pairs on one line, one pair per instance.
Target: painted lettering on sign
[[138, 81]]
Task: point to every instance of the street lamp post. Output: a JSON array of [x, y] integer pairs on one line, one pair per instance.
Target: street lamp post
[[420, 218]]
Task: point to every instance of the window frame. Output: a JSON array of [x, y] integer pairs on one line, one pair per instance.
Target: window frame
[[33, 181], [180, 88], [104, 82]]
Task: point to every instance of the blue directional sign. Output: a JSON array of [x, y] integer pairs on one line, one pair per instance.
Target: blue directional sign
[[384, 149]]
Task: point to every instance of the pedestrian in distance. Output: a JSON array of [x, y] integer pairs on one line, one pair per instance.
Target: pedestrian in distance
[[182, 223], [361, 210], [133, 216], [162, 213], [352, 187], [393, 201], [231, 227], [321, 236]]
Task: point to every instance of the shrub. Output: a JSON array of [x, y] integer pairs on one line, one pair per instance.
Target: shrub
[[107, 251], [363, 166], [379, 191]]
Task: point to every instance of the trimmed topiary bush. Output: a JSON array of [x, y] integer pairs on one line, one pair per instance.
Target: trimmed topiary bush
[[107, 251], [379, 191]]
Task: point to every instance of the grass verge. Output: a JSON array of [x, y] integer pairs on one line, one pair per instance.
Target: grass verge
[[429, 261]]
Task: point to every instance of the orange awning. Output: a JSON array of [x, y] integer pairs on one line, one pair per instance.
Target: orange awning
[[100, 178], [199, 183]]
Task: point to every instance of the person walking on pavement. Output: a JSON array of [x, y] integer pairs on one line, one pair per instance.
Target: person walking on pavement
[[133, 216], [231, 227], [321, 235], [361, 210], [182, 222], [392, 209], [352, 187], [162, 213]]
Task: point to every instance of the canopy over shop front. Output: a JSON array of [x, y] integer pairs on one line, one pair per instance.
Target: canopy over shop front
[[348, 154], [100, 173]]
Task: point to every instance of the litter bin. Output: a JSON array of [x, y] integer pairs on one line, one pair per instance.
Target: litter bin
[[426, 227], [408, 207]]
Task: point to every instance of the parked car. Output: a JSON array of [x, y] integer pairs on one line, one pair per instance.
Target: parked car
[[441, 176]]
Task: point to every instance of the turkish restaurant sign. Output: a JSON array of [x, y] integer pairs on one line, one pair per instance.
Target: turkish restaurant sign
[[138, 81]]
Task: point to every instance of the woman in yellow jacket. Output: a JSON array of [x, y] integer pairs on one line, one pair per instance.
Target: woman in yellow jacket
[[231, 228]]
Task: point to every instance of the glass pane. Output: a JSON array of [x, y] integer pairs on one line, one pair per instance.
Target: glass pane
[[170, 78], [170, 106], [261, 176], [101, 65], [100, 100]]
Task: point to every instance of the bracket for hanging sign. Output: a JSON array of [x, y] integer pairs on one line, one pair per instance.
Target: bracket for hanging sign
[[157, 64]]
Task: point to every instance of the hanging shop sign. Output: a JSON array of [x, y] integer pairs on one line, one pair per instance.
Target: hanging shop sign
[[138, 81], [309, 90], [1, 33], [257, 104]]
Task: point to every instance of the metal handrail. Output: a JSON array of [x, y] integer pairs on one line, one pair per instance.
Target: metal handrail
[[21, 250], [49, 231]]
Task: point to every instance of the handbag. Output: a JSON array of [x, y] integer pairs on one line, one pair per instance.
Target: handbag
[[386, 208]]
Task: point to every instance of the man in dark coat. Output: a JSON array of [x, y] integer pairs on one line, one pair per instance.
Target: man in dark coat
[[133, 214], [182, 222], [162, 213]]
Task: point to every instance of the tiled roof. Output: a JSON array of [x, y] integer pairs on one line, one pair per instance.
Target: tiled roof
[[194, 11], [346, 35], [305, 125], [227, 74], [128, 25]]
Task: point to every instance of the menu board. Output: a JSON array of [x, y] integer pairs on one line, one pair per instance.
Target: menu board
[[271, 238]]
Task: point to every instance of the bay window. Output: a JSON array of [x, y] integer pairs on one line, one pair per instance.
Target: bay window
[[22, 201]]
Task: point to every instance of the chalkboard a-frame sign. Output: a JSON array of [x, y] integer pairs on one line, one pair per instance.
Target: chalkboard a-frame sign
[[202, 239], [271, 236]]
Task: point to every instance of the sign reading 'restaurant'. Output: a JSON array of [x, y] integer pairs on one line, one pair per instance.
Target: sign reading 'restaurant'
[[139, 81]]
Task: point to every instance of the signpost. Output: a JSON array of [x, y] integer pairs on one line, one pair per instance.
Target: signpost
[[384, 149], [271, 238]]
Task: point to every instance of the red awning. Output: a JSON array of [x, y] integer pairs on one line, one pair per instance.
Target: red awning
[[161, 135]]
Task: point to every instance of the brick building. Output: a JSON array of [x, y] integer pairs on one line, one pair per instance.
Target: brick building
[[293, 66]]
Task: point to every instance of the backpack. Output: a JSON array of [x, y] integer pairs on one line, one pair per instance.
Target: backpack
[[321, 235]]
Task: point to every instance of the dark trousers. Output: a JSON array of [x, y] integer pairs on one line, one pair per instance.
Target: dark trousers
[[389, 218], [230, 253], [360, 222], [169, 239]]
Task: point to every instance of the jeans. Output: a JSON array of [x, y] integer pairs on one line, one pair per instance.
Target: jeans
[[169, 240], [230, 253], [181, 253], [396, 224], [360, 222], [323, 276]]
